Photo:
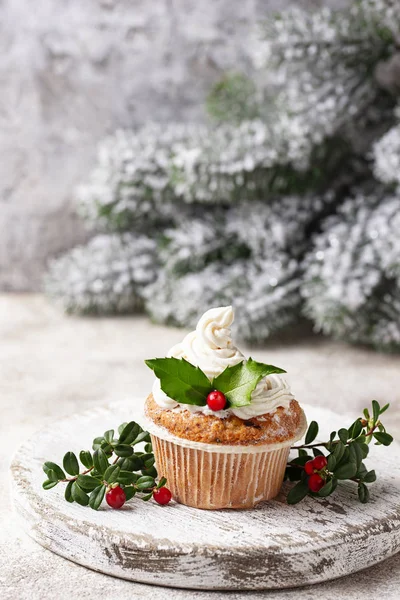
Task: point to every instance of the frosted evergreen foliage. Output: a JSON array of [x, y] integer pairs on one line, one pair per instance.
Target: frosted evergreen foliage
[[248, 257], [325, 62], [255, 209], [352, 276], [131, 185], [387, 156], [105, 276], [141, 178]]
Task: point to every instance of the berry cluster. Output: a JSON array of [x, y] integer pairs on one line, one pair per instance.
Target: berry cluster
[[316, 469], [319, 467]]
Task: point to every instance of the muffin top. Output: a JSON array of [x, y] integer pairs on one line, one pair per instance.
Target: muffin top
[[271, 428], [254, 403]]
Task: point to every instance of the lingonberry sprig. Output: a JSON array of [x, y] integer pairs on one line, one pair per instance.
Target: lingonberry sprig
[[115, 470], [340, 458]]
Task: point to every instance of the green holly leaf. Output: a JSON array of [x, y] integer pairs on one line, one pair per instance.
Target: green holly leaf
[[238, 382], [181, 380]]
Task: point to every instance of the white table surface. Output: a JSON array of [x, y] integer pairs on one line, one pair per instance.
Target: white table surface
[[52, 366]]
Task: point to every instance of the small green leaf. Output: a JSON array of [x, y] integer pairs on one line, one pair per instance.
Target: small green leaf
[[87, 483], [366, 414], [97, 442], [332, 436], [107, 448], [109, 436], [143, 436], [326, 490], [151, 472], [68, 492], [97, 496], [339, 451], [123, 450], [383, 438], [149, 462], [375, 410], [100, 461], [70, 463], [127, 478], [161, 483], [355, 429], [317, 452], [148, 448], [346, 471], [363, 493], [361, 472], [134, 463], [50, 466], [47, 485], [79, 495], [144, 483], [297, 493], [86, 458], [356, 454], [121, 428], [112, 473], [384, 409], [370, 477], [293, 473], [331, 462], [147, 497], [343, 435], [312, 432], [52, 475], [364, 449], [129, 433], [301, 460], [129, 492]]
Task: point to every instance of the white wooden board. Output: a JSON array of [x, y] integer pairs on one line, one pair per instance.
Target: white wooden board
[[271, 546]]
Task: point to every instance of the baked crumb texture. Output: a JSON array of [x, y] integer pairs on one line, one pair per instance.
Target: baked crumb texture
[[279, 426]]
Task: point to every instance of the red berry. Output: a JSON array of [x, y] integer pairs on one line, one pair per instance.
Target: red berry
[[116, 497], [216, 400], [315, 482], [320, 462], [309, 467], [162, 496]]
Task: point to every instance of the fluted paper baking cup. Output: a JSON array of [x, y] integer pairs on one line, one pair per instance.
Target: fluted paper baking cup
[[211, 477]]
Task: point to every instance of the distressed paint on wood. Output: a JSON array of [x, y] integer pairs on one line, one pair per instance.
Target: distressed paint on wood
[[271, 546]]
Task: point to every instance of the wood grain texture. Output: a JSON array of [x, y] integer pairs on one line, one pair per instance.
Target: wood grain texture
[[271, 546]]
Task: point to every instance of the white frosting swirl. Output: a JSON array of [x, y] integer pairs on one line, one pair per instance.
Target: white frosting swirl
[[210, 347]]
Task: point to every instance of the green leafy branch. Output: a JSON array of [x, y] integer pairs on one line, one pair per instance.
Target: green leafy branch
[[114, 462], [343, 455]]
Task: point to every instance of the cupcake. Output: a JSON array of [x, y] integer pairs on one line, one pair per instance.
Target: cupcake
[[221, 425]]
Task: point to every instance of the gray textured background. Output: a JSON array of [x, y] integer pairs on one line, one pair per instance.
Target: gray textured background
[[72, 71]]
